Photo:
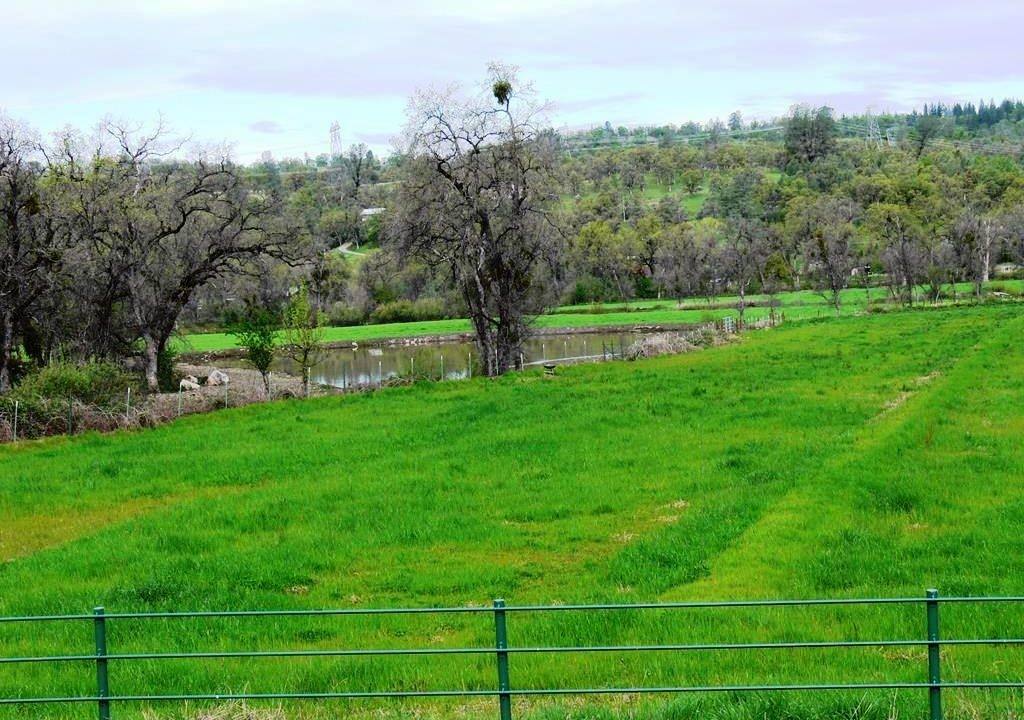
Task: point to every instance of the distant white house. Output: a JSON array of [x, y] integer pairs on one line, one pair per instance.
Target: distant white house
[[368, 213]]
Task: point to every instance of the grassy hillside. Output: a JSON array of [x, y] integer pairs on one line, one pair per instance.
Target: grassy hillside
[[862, 456]]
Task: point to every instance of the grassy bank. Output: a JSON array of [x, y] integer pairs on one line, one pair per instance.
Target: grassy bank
[[866, 456], [795, 305]]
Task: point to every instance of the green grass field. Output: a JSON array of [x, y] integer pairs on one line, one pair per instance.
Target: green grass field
[[794, 305], [864, 456]]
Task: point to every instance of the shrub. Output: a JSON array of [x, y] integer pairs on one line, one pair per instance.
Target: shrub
[[257, 333], [303, 334], [95, 383], [35, 418], [409, 311], [648, 346], [342, 315], [64, 397], [645, 287], [232, 316], [589, 289]]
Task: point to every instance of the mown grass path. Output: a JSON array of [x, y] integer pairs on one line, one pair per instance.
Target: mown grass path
[[863, 456]]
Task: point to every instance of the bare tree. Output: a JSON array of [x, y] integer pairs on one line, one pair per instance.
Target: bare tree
[[356, 162], [903, 254], [31, 249], [974, 237], [478, 182], [743, 256], [824, 229], [686, 263], [940, 267], [1013, 228], [158, 229]]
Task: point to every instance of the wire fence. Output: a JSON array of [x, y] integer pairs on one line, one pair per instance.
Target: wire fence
[[38, 417], [106, 698], [44, 417]]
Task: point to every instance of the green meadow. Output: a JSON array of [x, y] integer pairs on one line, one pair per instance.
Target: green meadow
[[864, 456], [796, 305]]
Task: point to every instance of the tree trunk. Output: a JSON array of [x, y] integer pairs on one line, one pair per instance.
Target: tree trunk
[[152, 362], [986, 256], [484, 346], [510, 347], [6, 350]]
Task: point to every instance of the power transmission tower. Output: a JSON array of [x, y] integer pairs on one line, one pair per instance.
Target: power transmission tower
[[890, 136], [874, 133], [336, 150]]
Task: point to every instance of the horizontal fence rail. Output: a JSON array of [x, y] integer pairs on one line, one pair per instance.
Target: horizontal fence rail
[[104, 698]]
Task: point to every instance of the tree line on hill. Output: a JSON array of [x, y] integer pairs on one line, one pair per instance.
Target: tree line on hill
[[113, 241]]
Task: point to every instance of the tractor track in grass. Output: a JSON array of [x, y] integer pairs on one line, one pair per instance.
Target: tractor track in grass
[[755, 564]]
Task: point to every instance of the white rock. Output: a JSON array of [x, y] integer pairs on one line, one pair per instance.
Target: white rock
[[217, 377], [189, 383]]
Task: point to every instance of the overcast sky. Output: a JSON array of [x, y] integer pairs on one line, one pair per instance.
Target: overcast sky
[[273, 75]]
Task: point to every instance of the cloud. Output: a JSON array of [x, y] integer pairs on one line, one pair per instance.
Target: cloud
[[593, 103], [376, 138], [267, 127], [309, 62], [318, 48]]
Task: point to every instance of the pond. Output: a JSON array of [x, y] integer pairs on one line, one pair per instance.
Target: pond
[[455, 360]]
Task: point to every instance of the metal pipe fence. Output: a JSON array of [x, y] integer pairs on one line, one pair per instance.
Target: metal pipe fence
[[105, 698]]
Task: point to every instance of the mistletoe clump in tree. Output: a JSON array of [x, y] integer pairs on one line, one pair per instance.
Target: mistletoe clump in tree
[[474, 205]]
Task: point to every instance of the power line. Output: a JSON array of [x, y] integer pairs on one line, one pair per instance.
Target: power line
[[975, 144], [630, 141], [317, 170], [847, 124]]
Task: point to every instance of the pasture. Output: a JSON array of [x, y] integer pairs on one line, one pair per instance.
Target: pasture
[[861, 456]]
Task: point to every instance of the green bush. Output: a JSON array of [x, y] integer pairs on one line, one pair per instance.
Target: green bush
[[257, 333], [409, 311], [589, 289], [94, 383], [342, 315], [645, 287]]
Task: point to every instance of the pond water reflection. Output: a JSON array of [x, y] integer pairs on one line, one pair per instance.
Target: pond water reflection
[[372, 365]]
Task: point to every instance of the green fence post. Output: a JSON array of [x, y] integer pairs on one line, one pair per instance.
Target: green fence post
[[934, 677], [102, 684], [501, 643]]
